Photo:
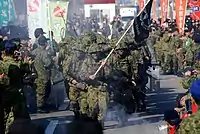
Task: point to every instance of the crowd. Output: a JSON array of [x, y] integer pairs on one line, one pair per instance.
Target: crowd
[[77, 27], [179, 54], [121, 83], [122, 80]]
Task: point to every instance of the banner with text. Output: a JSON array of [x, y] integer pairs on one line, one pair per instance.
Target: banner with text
[[154, 10], [194, 6], [164, 10], [180, 8]]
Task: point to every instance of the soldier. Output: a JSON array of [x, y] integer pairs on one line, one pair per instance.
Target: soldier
[[189, 48], [170, 54], [97, 97], [38, 32], [162, 51], [77, 90], [13, 101], [42, 63], [151, 41]]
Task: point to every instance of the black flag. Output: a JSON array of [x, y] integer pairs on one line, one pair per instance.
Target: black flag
[[142, 23]]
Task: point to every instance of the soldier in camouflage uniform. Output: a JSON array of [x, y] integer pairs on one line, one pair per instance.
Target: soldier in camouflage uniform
[[64, 58], [124, 67], [189, 53], [42, 63], [97, 97], [170, 63], [13, 100], [37, 33], [151, 41], [77, 90], [161, 49]]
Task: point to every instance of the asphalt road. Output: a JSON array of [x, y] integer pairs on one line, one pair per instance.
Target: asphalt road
[[158, 100]]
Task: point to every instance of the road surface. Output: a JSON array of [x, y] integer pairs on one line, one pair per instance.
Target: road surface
[[158, 101]]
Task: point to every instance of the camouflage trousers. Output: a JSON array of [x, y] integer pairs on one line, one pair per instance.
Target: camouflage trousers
[[8, 120], [42, 91], [170, 62], [97, 102], [78, 100], [92, 102]]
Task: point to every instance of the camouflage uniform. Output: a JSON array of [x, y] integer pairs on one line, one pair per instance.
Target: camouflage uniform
[[77, 95], [190, 125], [64, 58], [189, 53], [97, 97], [170, 56], [13, 101], [162, 50], [42, 63], [151, 41]]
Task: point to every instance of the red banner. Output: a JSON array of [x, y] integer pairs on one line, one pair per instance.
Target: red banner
[[180, 8], [99, 1], [164, 9], [194, 5], [33, 6], [141, 4], [154, 11]]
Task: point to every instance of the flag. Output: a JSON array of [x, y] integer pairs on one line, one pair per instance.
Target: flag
[[142, 23], [180, 6], [194, 6], [164, 10]]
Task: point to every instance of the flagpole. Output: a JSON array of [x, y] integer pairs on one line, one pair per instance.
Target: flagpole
[[105, 60]]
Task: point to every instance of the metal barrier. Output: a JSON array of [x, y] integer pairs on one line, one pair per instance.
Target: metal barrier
[[154, 76]]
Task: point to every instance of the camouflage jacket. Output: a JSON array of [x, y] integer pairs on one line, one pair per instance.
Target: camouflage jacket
[[4, 67], [88, 68], [190, 125], [42, 62]]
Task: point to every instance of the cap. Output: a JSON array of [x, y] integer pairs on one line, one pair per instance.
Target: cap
[[195, 89], [38, 32], [42, 40]]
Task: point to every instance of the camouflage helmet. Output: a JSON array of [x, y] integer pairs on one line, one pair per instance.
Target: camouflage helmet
[[100, 38], [94, 48], [92, 36]]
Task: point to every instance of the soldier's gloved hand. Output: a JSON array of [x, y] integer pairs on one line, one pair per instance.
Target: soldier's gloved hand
[[81, 86]]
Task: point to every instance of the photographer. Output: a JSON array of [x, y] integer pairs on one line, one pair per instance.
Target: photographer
[[13, 101], [180, 120], [191, 123]]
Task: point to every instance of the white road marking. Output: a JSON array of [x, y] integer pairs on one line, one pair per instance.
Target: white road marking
[[51, 127]]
